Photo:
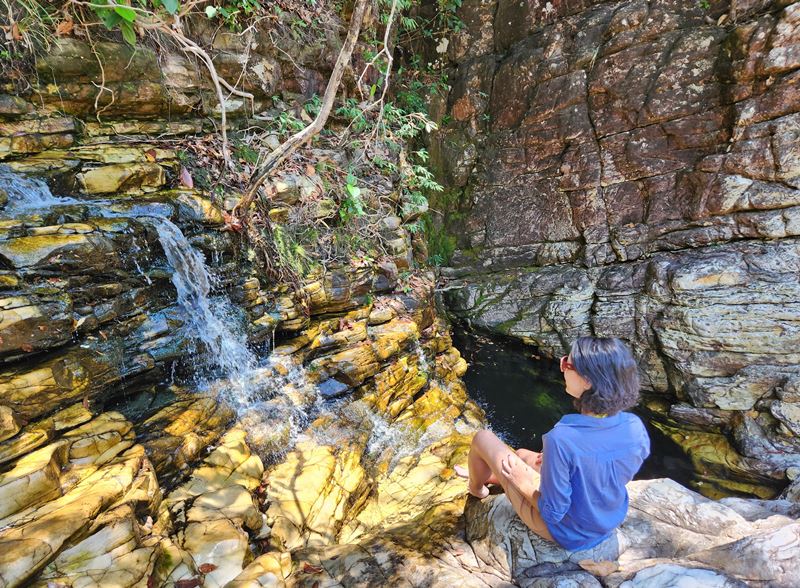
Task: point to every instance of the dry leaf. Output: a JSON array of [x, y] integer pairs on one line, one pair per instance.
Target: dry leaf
[[207, 568], [309, 569], [15, 34], [150, 155], [64, 27], [86, 402], [599, 568], [191, 583], [310, 170], [26, 347], [232, 223], [186, 178], [42, 328]]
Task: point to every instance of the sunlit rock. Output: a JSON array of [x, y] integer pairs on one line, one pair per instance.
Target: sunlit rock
[[115, 178], [183, 430]]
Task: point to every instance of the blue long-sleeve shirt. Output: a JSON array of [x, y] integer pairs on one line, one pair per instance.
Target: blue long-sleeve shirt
[[586, 463]]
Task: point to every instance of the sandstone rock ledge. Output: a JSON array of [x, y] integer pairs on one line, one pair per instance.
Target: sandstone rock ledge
[[672, 537]]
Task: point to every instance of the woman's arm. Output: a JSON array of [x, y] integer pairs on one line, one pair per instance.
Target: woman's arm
[[556, 483], [520, 475]]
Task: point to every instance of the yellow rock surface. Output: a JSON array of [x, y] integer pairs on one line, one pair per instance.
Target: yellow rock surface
[[122, 177]]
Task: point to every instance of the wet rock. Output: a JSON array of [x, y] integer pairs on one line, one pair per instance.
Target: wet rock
[[86, 371], [195, 207], [270, 426], [720, 466], [34, 323], [332, 388]]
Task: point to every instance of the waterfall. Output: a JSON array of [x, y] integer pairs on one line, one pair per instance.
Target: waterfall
[[26, 194], [226, 367], [211, 320]]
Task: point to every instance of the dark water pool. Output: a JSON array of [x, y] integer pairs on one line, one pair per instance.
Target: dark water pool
[[523, 396]]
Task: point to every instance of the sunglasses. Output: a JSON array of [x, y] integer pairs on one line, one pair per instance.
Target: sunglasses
[[565, 364]]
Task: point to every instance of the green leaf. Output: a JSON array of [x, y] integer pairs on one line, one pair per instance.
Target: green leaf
[[171, 5], [127, 32], [110, 18], [354, 191], [211, 11], [127, 13]]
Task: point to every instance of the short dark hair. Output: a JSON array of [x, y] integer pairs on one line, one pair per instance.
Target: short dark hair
[[610, 368]]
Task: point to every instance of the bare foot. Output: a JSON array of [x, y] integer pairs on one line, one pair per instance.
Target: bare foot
[[519, 474], [463, 472], [481, 493]]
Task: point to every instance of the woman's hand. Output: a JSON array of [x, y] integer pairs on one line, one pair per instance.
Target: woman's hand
[[519, 474]]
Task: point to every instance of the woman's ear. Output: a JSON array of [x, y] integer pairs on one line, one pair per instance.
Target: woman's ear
[[585, 384]]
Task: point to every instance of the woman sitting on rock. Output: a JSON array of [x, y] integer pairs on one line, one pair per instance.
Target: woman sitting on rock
[[586, 459]]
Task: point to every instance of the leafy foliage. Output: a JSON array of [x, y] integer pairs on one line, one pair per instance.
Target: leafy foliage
[[352, 206]]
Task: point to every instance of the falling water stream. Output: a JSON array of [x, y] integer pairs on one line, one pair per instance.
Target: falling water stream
[[26, 194], [224, 365], [212, 321]]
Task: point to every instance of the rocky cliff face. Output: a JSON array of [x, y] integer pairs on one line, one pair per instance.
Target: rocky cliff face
[[631, 169]]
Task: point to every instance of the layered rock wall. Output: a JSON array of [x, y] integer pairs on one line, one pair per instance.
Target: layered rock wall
[[631, 169], [130, 455]]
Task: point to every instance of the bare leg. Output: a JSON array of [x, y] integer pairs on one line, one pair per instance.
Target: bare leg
[[520, 475], [484, 461], [528, 511], [531, 458], [463, 472], [486, 456]]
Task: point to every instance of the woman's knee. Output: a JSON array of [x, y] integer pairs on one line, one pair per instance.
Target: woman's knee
[[484, 436], [488, 444]]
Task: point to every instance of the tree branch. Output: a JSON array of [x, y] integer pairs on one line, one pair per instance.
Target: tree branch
[[280, 153]]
